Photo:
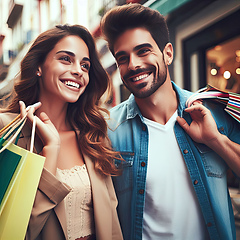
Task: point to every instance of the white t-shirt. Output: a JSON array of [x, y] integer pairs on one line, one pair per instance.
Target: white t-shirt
[[171, 208]]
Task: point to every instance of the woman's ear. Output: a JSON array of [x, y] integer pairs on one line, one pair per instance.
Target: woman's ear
[[39, 72], [168, 54]]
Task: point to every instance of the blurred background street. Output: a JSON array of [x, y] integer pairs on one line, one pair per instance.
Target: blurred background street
[[205, 36]]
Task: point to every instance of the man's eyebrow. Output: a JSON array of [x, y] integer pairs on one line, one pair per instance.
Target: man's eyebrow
[[134, 49], [142, 46], [118, 54], [72, 54]]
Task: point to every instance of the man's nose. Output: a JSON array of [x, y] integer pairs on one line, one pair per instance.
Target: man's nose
[[134, 62]]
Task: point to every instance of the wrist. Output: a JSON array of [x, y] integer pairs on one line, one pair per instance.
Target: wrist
[[217, 141], [51, 152]]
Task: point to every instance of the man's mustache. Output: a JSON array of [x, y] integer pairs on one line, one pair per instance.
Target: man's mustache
[[132, 73]]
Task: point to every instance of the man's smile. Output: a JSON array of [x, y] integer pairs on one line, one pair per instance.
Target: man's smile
[[140, 77]]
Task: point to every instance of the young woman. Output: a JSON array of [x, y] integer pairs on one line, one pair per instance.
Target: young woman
[[62, 80]]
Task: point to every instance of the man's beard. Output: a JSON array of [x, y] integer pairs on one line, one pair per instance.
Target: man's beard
[[158, 81]]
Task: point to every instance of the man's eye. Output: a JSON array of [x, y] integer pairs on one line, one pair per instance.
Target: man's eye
[[143, 52], [122, 60], [65, 58]]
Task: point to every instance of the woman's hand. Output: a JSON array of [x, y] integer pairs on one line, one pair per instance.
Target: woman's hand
[[47, 133], [45, 129]]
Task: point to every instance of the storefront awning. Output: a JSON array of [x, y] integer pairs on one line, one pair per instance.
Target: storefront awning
[[167, 6]]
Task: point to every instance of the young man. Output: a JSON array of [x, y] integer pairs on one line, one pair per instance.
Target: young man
[[173, 182]]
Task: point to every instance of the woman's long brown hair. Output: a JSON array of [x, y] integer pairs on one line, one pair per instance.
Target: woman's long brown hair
[[85, 115]]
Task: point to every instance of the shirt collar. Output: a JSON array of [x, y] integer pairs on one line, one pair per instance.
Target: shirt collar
[[182, 95]]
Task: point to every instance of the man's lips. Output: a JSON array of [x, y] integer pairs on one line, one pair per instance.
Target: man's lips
[[138, 74], [139, 77]]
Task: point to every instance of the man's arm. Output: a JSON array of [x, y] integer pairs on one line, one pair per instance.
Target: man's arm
[[203, 129]]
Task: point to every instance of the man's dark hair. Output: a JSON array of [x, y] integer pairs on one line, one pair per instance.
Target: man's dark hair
[[121, 18]]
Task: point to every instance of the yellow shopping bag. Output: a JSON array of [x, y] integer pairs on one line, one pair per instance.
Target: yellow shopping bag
[[17, 202]]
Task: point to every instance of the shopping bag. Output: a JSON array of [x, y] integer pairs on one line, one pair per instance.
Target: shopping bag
[[7, 168], [230, 100], [17, 202]]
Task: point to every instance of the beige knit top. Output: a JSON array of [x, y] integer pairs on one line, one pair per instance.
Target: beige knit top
[[78, 203]]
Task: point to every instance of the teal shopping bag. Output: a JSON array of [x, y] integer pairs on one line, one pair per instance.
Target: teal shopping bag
[[7, 168]]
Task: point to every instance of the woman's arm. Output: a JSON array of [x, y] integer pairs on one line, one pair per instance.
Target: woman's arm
[[50, 191]]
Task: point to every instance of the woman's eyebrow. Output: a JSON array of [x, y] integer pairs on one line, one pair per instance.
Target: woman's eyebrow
[[86, 59], [72, 54], [67, 52]]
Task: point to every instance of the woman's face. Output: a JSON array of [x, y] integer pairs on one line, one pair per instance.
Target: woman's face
[[65, 72]]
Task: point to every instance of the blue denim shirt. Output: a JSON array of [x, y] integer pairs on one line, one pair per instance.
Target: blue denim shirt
[[207, 170]]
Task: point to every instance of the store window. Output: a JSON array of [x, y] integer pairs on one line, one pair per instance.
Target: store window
[[223, 65]]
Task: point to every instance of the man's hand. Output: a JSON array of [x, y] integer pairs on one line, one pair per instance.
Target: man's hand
[[203, 127]]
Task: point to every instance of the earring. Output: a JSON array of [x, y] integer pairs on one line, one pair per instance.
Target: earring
[[38, 74]]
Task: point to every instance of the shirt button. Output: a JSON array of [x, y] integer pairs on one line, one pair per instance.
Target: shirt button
[[209, 224], [141, 191], [221, 129], [144, 128], [195, 182], [185, 151], [143, 164]]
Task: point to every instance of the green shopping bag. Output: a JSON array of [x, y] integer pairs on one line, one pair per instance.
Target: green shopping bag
[[7, 168], [18, 199]]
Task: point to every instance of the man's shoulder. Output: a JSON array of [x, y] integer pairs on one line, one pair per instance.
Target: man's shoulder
[[122, 113], [118, 114], [120, 107]]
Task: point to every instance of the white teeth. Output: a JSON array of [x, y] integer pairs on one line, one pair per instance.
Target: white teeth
[[139, 77], [72, 84]]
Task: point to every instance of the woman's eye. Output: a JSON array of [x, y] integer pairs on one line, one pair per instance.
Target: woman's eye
[[85, 66], [65, 58]]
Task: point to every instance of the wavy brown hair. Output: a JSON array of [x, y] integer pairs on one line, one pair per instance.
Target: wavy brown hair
[[85, 115], [133, 15]]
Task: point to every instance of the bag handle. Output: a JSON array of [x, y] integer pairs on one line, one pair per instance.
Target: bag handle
[[11, 129], [33, 134], [19, 127], [11, 123]]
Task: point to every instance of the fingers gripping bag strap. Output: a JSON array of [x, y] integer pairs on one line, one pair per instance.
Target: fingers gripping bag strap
[[18, 200]]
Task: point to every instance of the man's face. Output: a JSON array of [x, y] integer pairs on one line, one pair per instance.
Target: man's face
[[140, 61]]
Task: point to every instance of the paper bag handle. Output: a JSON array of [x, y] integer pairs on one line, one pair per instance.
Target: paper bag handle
[[20, 125]]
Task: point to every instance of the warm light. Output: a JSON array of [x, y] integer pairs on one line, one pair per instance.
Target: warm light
[[226, 74], [214, 71], [238, 71], [218, 48], [238, 53]]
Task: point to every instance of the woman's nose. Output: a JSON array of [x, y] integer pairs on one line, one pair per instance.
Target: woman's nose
[[76, 70]]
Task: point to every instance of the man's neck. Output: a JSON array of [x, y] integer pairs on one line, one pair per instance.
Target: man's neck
[[161, 105]]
